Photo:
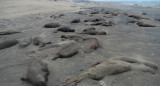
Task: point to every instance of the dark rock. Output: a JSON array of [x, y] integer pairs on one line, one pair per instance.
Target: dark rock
[[37, 74], [8, 32], [8, 43], [65, 29], [38, 41], [141, 24], [51, 25], [89, 29], [76, 20], [25, 42]]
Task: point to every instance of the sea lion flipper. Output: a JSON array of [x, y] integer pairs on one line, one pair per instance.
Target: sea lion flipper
[[24, 79]]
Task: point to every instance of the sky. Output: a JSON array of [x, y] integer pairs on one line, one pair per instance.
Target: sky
[[124, 0]]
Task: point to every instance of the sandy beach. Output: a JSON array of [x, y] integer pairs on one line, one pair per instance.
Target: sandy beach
[[74, 39]]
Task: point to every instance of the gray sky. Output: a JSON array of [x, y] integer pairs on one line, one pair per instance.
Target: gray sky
[[124, 0]]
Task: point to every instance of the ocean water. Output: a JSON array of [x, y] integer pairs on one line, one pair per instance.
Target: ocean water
[[152, 3]]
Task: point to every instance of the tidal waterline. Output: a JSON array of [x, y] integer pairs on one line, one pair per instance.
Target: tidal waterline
[[127, 2]]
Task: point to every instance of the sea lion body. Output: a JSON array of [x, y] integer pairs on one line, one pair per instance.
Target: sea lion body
[[37, 74], [8, 43], [99, 71], [67, 51], [94, 33], [38, 41]]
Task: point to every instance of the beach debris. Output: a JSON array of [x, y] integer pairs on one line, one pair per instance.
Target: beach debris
[[65, 29], [114, 66], [8, 43], [25, 42], [141, 24], [51, 25], [77, 20], [8, 32], [37, 73], [102, 83]]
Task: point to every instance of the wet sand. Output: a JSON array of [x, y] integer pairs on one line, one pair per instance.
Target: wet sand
[[123, 39]]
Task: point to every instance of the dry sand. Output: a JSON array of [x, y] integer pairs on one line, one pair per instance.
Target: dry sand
[[129, 40]]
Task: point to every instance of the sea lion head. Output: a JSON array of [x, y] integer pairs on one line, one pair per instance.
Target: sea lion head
[[41, 83]]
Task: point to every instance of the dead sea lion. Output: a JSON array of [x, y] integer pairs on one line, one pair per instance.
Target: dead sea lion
[[114, 66], [51, 25], [65, 29], [77, 20], [38, 41], [101, 70], [89, 29], [25, 42], [8, 32], [8, 43], [141, 24], [37, 74], [67, 51], [94, 33]]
